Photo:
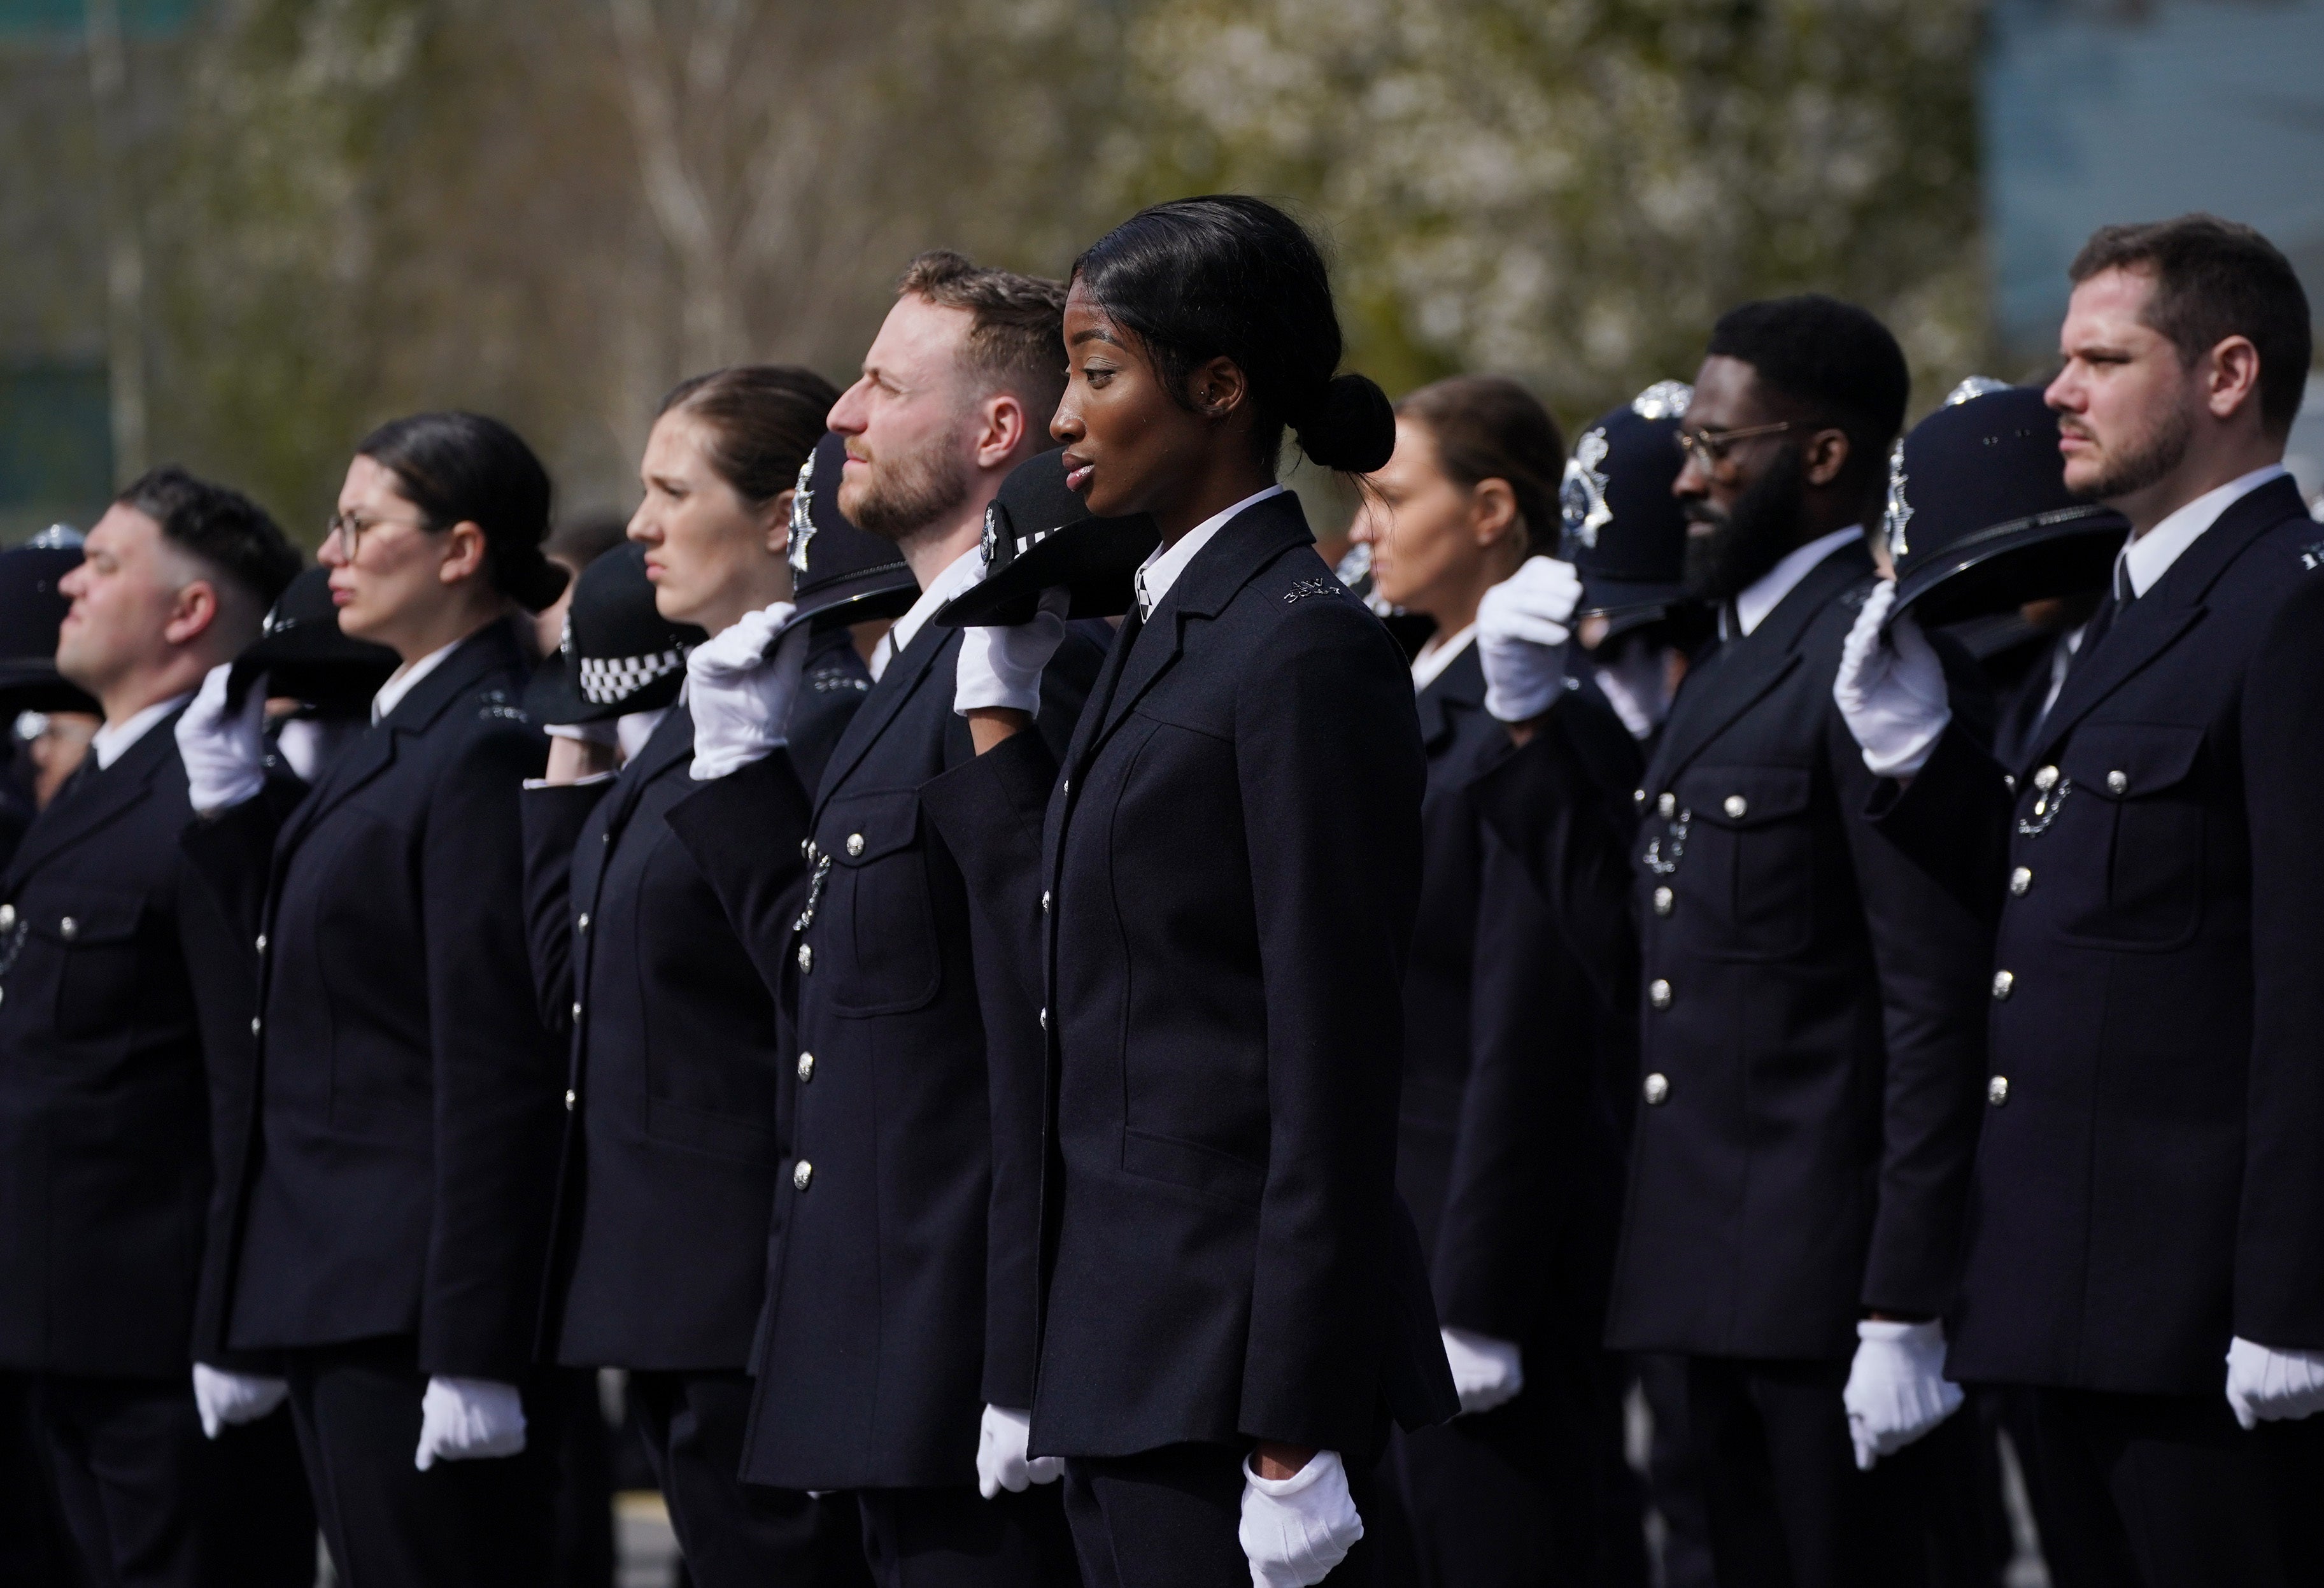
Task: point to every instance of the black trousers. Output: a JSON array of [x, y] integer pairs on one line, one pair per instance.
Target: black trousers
[[1167, 1519], [34, 1550], [737, 1535], [1788, 1507], [1675, 1485], [2169, 1490], [957, 1538], [148, 1501], [1532, 1493], [461, 1524]]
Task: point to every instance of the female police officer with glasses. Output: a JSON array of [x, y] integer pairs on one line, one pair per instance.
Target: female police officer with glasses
[[390, 1230], [1235, 1300]]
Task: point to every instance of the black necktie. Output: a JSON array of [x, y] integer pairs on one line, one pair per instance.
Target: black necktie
[[2120, 595]]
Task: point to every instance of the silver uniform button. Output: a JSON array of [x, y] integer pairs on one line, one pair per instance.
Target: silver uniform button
[[262, 942], [2020, 880], [1664, 900], [1045, 902], [1735, 806], [805, 958], [1045, 1019], [1638, 796], [255, 1025], [806, 1067], [2118, 782], [2003, 981], [802, 1175], [1996, 1091], [854, 843], [1666, 807], [1657, 1089], [7, 917], [1067, 786], [577, 1009], [582, 924], [68, 927], [571, 1098], [2046, 779], [1658, 993]]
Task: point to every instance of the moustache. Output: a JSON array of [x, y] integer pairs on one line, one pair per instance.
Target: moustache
[[1704, 512]]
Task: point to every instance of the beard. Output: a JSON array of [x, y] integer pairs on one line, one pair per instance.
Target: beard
[[2142, 459], [1748, 538], [903, 493]]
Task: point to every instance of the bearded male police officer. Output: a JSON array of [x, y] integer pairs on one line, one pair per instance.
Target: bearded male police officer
[[2146, 1244], [105, 1146], [1811, 1007], [895, 1354]]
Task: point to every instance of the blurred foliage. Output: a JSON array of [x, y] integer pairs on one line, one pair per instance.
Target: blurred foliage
[[554, 208]]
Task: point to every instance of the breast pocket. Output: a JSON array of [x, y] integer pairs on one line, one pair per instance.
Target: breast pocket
[[879, 907], [94, 935], [2143, 788], [1748, 870]]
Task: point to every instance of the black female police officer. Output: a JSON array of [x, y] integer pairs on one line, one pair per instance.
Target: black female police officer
[[393, 1224], [669, 1178], [1234, 1298]]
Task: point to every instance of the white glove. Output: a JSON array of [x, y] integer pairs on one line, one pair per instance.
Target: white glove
[[741, 698], [1896, 1387], [1002, 667], [224, 752], [1892, 695], [1295, 1529], [467, 1420], [1000, 1459], [2268, 1385], [1522, 626], [224, 1399], [1485, 1371]]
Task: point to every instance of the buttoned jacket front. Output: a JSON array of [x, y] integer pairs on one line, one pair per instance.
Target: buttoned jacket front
[[104, 1150], [2147, 1184], [403, 1152], [1811, 1019]]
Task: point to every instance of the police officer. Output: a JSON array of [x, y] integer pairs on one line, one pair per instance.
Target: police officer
[[1508, 1155], [104, 1142], [676, 1091], [1812, 1009], [2147, 1206], [390, 1230], [895, 1358]]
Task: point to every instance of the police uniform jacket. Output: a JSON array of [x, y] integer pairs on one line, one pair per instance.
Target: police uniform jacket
[[900, 1292], [1811, 1019], [2148, 1181], [1225, 1257], [105, 1152], [409, 1097], [1505, 1132]]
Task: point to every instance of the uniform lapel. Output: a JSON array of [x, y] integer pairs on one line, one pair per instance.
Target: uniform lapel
[[100, 797], [1741, 671], [903, 675], [1460, 688], [2148, 626]]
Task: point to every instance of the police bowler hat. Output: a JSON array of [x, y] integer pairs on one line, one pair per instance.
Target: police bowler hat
[[1978, 519], [1623, 531], [619, 654], [304, 656], [32, 610], [1038, 535], [839, 574]]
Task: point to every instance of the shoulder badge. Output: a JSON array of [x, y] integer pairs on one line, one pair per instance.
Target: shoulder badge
[[1302, 588]]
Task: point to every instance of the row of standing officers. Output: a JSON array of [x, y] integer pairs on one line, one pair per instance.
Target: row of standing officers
[[1212, 1095]]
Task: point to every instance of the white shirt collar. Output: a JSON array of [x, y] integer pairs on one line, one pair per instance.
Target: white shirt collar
[[401, 682], [111, 741], [1160, 570], [958, 575], [1768, 592], [2148, 557], [1437, 655]]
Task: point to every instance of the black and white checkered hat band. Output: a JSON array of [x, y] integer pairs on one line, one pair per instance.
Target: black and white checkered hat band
[[604, 682]]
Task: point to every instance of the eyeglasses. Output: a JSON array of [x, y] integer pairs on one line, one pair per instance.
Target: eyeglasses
[[1708, 448], [350, 528]]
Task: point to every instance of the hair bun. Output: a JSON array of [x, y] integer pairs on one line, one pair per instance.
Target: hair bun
[[534, 582], [1352, 429]]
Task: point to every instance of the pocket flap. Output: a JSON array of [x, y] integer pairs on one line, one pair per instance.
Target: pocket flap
[[1743, 796], [863, 827], [86, 915], [2124, 761]]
